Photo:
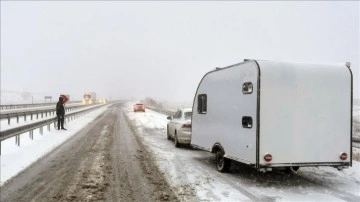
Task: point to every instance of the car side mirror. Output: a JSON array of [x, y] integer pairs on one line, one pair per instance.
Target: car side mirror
[[169, 117]]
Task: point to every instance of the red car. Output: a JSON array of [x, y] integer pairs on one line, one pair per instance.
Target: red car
[[139, 107]]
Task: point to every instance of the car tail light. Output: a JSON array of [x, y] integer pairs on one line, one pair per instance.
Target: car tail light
[[343, 156], [188, 125], [267, 157]]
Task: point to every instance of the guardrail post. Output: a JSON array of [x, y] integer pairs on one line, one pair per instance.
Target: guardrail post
[[8, 119], [42, 114], [17, 140], [31, 116], [41, 130], [17, 118], [31, 134], [24, 117]]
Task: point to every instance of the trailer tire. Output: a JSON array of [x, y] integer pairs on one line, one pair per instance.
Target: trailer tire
[[222, 163], [295, 168], [292, 169]]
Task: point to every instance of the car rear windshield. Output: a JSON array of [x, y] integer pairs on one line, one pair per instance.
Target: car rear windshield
[[187, 115]]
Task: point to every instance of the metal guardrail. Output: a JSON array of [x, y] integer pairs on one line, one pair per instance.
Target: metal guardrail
[[162, 111], [16, 132], [43, 112], [17, 106]]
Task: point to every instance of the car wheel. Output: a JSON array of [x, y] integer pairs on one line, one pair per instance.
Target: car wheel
[[177, 144], [167, 132], [222, 163]]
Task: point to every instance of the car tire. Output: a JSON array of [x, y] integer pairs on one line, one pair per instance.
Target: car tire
[[222, 163], [167, 132], [177, 144]]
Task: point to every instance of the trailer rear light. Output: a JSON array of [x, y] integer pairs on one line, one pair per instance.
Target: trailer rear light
[[267, 157], [186, 126], [343, 156]]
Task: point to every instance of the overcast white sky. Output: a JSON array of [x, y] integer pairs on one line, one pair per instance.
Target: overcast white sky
[[162, 49]]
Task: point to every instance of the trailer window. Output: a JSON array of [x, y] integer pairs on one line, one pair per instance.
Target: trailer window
[[202, 104], [247, 88], [247, 122]]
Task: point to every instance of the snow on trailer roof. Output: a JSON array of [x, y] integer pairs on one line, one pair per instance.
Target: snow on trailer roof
[[347, 64], [285, 64]]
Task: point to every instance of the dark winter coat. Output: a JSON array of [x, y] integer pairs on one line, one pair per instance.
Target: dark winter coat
[[60, 110]]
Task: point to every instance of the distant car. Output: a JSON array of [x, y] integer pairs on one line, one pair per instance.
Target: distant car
[[139, 107], [179, 127]]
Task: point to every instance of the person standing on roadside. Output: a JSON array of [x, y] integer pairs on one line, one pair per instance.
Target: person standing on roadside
[[60, 113]]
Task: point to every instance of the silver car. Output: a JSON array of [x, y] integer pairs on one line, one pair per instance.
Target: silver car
[[179, 127]]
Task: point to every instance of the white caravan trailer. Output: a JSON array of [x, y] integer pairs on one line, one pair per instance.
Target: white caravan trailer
[[275, 114]]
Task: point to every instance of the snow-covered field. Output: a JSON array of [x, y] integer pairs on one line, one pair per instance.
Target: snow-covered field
[[193, 174], [14, 159]]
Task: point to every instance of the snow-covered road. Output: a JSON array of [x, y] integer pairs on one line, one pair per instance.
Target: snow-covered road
[[193, 174]]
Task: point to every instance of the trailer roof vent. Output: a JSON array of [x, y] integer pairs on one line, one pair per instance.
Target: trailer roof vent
[[267, 157], [348, 64], [343, 156]]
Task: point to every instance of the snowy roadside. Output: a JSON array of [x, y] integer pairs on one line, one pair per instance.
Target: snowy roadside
[[13, 124], [193, 175], [30, 151], [356, 121], [356, 128]]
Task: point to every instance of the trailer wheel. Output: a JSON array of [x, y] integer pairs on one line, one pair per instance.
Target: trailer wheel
[[295, 168], [292, 169], [222, 163]]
